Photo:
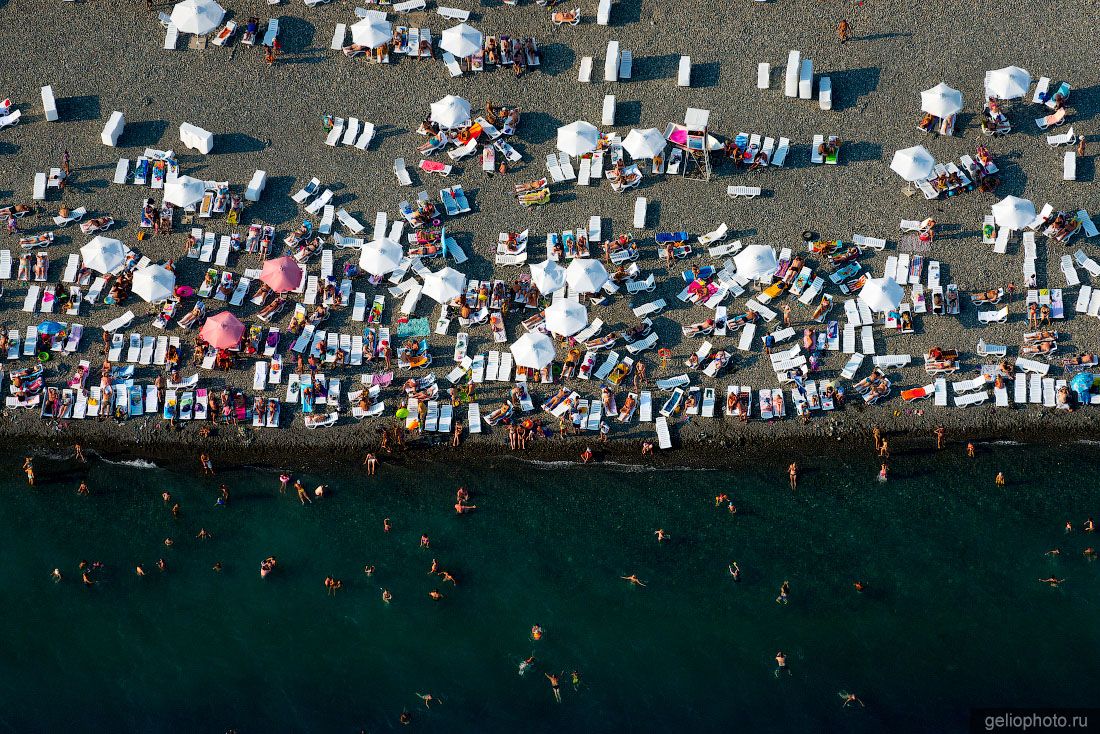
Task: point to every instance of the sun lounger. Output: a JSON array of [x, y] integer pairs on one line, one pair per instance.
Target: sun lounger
[[806, 79], [307, 191], [977, 398], [1069, 166], [272, 32], [409, 6], [999, 316], [825, 93], [1051, 120], [584, 71], [1087, 223], [748, 192], [1032, 366]]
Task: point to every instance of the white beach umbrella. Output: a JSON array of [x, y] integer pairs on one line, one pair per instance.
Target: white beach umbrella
[[103, 254], [444, 285], [462, 40], [1013, 212], [380, 257], [184, 191], [577, 138], [755, 261], [372, 32], [451, 111], [645, 143], [881, 294], [913, 164], [1007, 83], [586, 275], [941, 100], [197, 16], [548, 276], [154, 283], [534, 350], [566, 317]]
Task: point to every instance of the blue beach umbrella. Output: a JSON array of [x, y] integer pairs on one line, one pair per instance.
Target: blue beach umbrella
[[1082, 384], [50, 328]]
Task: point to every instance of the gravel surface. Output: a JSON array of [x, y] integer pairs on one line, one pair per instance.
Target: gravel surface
[[101, 57]]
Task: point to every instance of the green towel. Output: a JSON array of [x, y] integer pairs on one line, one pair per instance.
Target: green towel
[[413, 328]]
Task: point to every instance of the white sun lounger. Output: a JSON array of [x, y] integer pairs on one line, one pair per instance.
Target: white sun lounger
[[338, 37], [603, 12], [976, 398], [1033, 366], [584, 71], [763, 75], [683, 72], [336, 132], [1000, 316], [307, 191], [112, 131], [781, 152], [664, 438], [611, 62], [171, 37], [1069, 166]]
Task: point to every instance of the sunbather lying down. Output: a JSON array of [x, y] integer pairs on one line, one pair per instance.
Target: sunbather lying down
[[1039, 348], [1088, 359], [356, 49], [990, 296]]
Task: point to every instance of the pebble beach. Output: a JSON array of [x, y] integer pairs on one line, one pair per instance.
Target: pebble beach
[[103, 57]]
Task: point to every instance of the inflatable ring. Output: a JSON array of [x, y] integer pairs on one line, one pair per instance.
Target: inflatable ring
[[43, 356], [664, 352]]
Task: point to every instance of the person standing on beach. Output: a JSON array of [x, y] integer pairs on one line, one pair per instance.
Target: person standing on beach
[[207, 465], [876, 434], [940, 433], [843, 32], [66, 163], [786, 315], [80, 454], [792, 474], [884, 450]]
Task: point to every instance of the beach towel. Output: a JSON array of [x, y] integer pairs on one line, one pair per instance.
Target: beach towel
[[413, 328]]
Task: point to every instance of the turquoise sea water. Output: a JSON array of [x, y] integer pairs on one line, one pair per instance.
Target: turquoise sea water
[[953, 615]]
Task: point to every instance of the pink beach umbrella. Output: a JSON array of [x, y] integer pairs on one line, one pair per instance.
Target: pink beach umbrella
[[222, 331], [282, 274]]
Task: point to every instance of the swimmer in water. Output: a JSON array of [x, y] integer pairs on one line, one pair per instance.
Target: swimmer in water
[[781, 664], [461, 509], [168, 542], [784, 593], [792, 474], [554, 686], [387, 596], [166, 497], [162, 565], [662, 536], [446, 576], [1052, 581], [720, 499], [386, 525], [368, 570], [735, 571], [525, 665], [633, 579], [536, 632], [56, 575], [284, 480], [424, 542], [1090, 553], [139, 570], [576, 680], [732, 508], [427, 699], [435, 595], [849, 699], [882, 473], [858, 586], [1089, 525], [435, 567]]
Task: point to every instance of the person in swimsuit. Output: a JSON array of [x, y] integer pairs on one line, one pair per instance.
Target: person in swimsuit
[[633, 579], [554, 686]]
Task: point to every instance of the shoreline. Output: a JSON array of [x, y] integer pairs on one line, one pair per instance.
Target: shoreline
[[727, 450]]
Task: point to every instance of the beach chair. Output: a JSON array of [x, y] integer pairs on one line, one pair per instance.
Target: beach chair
[[1069, 166], [272, 32], [806, 79], [825, 93], [1051, 120], [1066, 138], [683, 72], [748, 192], [584, 70], [763, 75]]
